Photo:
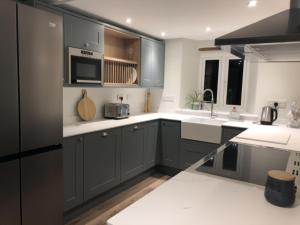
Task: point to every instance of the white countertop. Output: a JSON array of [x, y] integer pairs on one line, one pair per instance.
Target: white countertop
[[88, 127], [195, 198], [293, 143]]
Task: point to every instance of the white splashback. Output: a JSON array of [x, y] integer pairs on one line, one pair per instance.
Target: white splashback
[[133, 96]]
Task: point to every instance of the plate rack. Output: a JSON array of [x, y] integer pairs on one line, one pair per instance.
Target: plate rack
[[119, 72]]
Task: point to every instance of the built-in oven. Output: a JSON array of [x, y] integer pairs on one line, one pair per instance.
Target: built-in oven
[[85, 67]]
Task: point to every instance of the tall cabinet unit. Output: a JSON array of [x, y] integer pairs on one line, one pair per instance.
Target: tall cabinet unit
[[152, 63], [31, 182]]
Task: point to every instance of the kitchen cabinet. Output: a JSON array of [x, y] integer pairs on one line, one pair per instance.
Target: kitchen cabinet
[[132, 153], [170, 143], [152, 63], [82, 33], [10, 192], [101, 162], [230, 132], [151, 144], [192, 151], [73, 172], [9, 132]]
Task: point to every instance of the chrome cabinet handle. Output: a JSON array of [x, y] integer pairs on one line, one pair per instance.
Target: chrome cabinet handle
[[104, 134], [136, 127]]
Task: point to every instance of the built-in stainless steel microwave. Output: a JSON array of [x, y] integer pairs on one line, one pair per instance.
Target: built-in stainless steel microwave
[[85, 67]]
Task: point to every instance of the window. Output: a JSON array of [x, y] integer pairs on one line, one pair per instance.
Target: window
[[235, 82], [224, 75], [211, 78]]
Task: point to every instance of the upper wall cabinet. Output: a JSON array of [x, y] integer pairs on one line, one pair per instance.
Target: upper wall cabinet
[[152, 63], [83, 34]]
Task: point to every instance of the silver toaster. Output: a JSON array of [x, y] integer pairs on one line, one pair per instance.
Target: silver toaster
[[116, 110]]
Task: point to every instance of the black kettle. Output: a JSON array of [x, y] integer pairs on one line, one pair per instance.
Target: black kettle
[[268, 115]]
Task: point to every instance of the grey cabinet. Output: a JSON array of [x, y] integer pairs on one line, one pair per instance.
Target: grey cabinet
[[151, 144], [152, 63], [132, 153], [101, 162], [81, 33], [230, 132], [193, 151], [9, 132], [73, 172], [10, 192], [170, 143]]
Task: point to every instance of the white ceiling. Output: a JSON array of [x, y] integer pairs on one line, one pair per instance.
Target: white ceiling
[[182, 18]]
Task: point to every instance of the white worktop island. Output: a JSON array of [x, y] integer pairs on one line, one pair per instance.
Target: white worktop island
[[195, 198]]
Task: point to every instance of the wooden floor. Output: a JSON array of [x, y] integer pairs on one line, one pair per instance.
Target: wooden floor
[[101, 213]]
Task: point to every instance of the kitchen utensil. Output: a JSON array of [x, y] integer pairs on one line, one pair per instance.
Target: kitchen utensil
[[268, 115], [86, 107], [280, 188]]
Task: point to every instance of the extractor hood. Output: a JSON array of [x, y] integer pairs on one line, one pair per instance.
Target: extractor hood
[[276, 38]]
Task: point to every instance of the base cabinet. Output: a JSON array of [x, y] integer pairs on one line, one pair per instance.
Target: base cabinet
[[101, 162], [132, 156], [73, 172], [151, 144], [193, 151], [170, 143]]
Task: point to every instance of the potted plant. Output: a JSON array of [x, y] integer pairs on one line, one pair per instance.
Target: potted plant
[[194, 100]]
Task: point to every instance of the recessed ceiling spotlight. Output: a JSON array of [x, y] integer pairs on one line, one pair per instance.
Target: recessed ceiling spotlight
[[163, 34], [208, 29], [252, 3], [128, 20]]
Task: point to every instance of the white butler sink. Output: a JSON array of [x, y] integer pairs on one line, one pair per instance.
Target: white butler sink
[[202, 129]]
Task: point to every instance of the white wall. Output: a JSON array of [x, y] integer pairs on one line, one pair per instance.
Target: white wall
[[136, 99], [274, 81], [181, 72]]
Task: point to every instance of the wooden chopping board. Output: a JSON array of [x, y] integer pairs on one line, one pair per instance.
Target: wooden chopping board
[[86, 107]]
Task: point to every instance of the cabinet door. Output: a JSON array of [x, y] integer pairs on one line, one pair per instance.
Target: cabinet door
[[10, 193], [152, 63], [9, 132], [101, 162], [81, 33], [158, 63], [132, 156], [147, 63], [193, 151], [151, 144], [73, 172], [170, 135]]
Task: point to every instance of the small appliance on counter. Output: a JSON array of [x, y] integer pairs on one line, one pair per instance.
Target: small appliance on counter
[[116, 111], [280, 188], [268, 115]]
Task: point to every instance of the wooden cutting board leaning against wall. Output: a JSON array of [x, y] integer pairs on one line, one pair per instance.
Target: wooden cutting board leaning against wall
[[86, 107]]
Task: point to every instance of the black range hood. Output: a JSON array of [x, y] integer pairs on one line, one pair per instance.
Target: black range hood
[[276, 38]]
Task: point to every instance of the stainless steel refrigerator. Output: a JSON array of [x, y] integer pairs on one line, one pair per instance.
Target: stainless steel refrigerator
[[31, 71]]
